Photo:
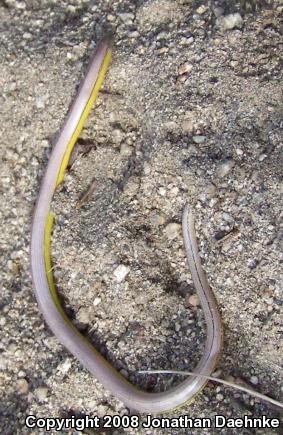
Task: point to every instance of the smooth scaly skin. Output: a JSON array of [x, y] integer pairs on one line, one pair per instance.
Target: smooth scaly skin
[[46, 294]]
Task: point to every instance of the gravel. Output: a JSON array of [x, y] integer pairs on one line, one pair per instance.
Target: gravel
[[190, 112]]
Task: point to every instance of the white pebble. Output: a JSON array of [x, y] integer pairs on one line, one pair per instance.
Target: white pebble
[[199, 139], [110, 17], [174, 191], [193, 300], [162, 191], [134, 34], [27, 35], [177, 327], [127, 18], [173, 230], [41, 393], [262, 157], [121, 272], [40, 101], [126, 150], [12, 86], [83, 315], [3, 362], [224, 168], [230, 21], [239, 152], [64, 367], [201, 9], [2, 321], [254, 380], [117, 136], [96, 302]]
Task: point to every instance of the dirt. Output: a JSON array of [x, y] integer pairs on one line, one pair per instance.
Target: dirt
[[190, 111]]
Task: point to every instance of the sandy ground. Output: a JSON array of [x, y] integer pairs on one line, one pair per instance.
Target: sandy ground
[[190, 111]]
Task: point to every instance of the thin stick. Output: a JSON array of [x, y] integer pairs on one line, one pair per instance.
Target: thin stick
[[220, 381]]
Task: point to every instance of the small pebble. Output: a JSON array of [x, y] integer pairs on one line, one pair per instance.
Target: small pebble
[[199, 139], [40, 101], [231, 21], [162, 191], [64, 367], [110, 18], [23, 386], [41, 393], [239, 152], [171, 126], [224, 168], [121, 272], [161, 35], [127, 18], [27, 35], [45, 143], [201, 9], [12, 86], [254, 380], [252, 263], [96, 302], [72, 9], [2, 321], [163, 50], [83, 315], [227, 217], [185, 68], [218, 11], [117, 136], [173, 230], [262, 157], [134, 34], [187, 41], [219, 397], [126, 150], [174, 191], [193, 300], [18, 5], [3, 362], [187, 126]]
